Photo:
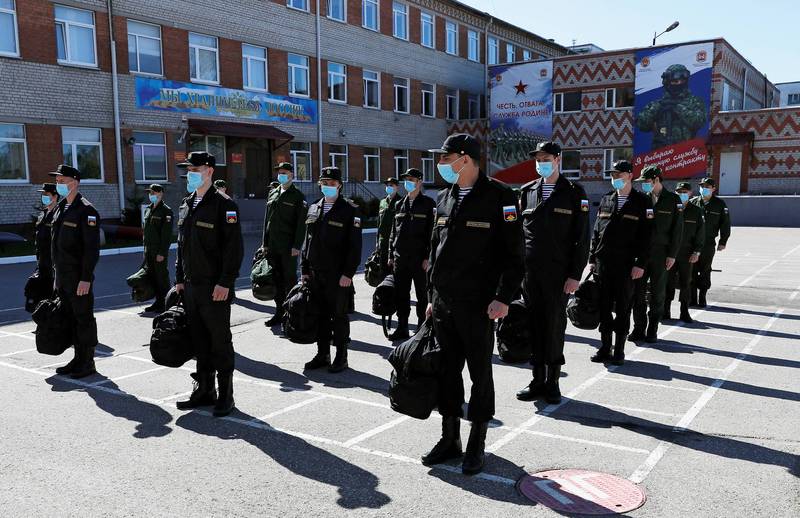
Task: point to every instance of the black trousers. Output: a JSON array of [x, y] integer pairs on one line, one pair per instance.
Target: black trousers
[[702, 268], [80, 310], [404, 275], [544, 291], [650, 290], [284, 271], [333, 302], [210, 327], [616, 295], [159, 274], [465, 335], [680, 277]]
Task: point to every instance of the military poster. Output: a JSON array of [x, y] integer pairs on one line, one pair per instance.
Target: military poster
[[520, 111], [671, 111]]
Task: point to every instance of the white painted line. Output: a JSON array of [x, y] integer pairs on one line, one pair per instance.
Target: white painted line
[[97, 357], [790, 252], [640, 410], [375, 431], [120, 378], [566, 438], [795, 293], [175, 396], [289, 408], [649, 384], [6, 355], [107, 251], [756, 274], [649, 464], [27, 335], [680, 365], [684, 330]]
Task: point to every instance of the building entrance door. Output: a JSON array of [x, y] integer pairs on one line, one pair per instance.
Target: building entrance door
[[730, 172], [258, 173]]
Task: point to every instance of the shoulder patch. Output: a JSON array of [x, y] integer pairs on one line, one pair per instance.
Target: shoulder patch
[[650, 214], [91, 221], [510, 213], [726, 210], [231, 216], [169, 218], [680, 207], [357, 222], [585, 205]]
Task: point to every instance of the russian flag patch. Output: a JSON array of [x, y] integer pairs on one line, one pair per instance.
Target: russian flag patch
[[91, 221], [231, 216], [585, 205], [510, 213], [650, 214]]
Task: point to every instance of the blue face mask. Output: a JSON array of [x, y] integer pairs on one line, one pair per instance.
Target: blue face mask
[[647, 187], [62, 189], [409, 185], [193, 181], [389, 190], [684, 196], [283, 178], [618, 183], [46, 200], [447, 173], [705, 192], [153, 199], [329, 191], [545, 169]]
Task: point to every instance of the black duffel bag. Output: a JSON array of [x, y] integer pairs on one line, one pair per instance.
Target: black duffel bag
[[514, 334], [414, 383], [141, 284], [171, 342], [583, 308], [53, 327], [384, 303], [37, 289], [262, 280], [300, 317], [374, 269]]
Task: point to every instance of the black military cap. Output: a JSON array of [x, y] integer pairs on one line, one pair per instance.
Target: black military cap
[[154, 187], [391, 179], [550, 148], [461, 144], [330, 173], [708, 181], [198, 158], [48, 187], [220, 184], [650, 172], [412, 173], [284, 165], [683, 186], [622, 166], [65, 170]]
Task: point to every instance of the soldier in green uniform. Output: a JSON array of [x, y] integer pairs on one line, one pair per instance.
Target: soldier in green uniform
[[664, 244], [678, 115], [284, 230], [694, 235], [386, 212], [718, 222], [157, 239]]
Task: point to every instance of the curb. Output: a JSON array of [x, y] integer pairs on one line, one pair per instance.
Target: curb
[[108, 251]]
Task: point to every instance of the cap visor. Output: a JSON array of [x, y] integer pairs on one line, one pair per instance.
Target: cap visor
[[439, 151], [184, 165]]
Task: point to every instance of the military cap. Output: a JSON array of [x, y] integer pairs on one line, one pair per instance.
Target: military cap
[[391, 179], [198, 158], [550, 148], [154, 187], [412, 173], [622, 166], [68, 171], [708, 181], [48, 187], [683, 186], [460, 144], [285, 166], [220, 184], [650, 172], [330, 173]]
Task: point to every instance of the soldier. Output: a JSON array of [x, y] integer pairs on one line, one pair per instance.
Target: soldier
[[209, 255], [284, 229], [618, 255], [157, 240], [409, 248], [555, 223], [678, 115], [476, 268], [386, 213], [718, 222], [75, 250], [221, 186], [42, 233], [665, 240], [694, 235], [330, 257]]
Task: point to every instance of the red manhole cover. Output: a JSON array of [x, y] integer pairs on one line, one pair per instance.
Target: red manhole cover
[[581, 492]]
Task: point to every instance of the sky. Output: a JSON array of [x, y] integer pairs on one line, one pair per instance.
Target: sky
[[765, 32]]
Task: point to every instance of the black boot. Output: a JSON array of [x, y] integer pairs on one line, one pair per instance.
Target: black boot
[[203, 393], [340, 361], [85, 366], [604, 353], [685, 316], [637, 335], [667, 311], [449, 446], [275, 320], [536, 387], [619, 351], [69, 367], [552, 392], [701, 299], [475, 456], [155, 307], [401, 333], [693, 297], [224, 404], [322, 359], [652, 333]]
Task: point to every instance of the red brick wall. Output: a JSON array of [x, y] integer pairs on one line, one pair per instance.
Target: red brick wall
[[324, 79], [175, 44], [463, 47], [414, 27], [385, 17], [441, 101], [502, 51], [102, 41], [355, 163], [121, 37], [441, 42], [387, 91], [355, 87], [415, 158], [416, 97], [278, 69], [37, 38], [44, 151], [387, 163], [354, 12], [109, 155], [230, 63]]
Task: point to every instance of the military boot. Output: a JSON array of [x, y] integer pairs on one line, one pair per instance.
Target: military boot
[[536, 387], [203, 393], [552, 392], [619, 351], [69, 367], [667, 315], [449, 446], [693, 298], [637, 335], [604, 353], [652, 333], [276, 319], [155, 307], [340, 361], [475, 457], [685, 316], [701, 299], [401, 333], [85, 366], [224, 404], [322, 359]]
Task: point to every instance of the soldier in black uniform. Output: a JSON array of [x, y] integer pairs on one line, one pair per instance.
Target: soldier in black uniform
[[476, 268], [694, 235], [75, 249], [43, 230], [409, 248], [157, 240], [618, 255], [209, 255], [330, 256], [555, 222]]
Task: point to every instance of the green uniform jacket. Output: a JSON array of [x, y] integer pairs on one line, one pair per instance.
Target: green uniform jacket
[[718, 220], [694, 232], [284, 220], [668, 222], [157, 229], [386, 212]]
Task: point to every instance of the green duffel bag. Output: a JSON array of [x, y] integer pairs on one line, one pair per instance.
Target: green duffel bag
[[141, 284], [262, 280]]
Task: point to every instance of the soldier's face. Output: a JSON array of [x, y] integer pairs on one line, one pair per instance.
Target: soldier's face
[[329, 183]]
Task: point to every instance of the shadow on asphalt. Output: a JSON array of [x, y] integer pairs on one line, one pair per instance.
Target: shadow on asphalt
[[480, 487]]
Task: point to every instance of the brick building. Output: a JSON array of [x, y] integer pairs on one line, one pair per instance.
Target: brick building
[[386, 81]]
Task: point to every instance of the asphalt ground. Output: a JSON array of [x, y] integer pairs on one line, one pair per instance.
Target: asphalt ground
[[706, 420]]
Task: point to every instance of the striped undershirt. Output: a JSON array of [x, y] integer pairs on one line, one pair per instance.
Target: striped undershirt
[[327, 205], [462, 193], [547, 190], [197, 200], [621, 199], [66, 207]]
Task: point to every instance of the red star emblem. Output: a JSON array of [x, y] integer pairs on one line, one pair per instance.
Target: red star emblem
[[520, 87]]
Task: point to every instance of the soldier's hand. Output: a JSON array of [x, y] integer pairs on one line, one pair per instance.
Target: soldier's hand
[[571, 286], [295, 252], [694, 257], [720, 248], [636, 273], [159, 258], [345, 281], [670, 262], [425, 264], [429, 311], [83, 288], [219, 293], [497, 310], [179, 287]]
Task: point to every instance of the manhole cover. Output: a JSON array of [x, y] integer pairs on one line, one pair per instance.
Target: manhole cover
[[581, 492]]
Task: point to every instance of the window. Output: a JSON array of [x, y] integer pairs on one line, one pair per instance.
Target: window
[[400, 20], [510, 55], [567, 102], [793, 99], [75, 36], [619, 97], [428, 100], [13, 153], [427, 167], [336, 10], [612, 155], [372, 164], [451, 38], [526, 55], [301, 160], [211, 144], [372, 89], [401, 95], [144, 48], [426, 30], [254, 67], [494, 51], [473, 107], [571, 163], [400, 162], [369, 14], [83, 150], [203, 58], [298, 75], [337, 82], [731, 97], [473, 46], [302, 5], [338, 158], [9, 37], [452, 103], [149, 156]]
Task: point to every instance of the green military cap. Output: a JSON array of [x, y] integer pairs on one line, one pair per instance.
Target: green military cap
[[285, 166], [154, 187], [650, 172], [708, 181], [683, 186]]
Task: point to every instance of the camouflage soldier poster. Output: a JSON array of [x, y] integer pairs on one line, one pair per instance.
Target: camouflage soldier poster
[[671, 111], [520, 111]]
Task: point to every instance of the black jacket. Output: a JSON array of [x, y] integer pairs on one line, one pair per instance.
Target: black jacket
[[333, 241], [75, 245], [623, 236], [43, 233], [556, 230], [476, 249], [210, 246], [410, 240]]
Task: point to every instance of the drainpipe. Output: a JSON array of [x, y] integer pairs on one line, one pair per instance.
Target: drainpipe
[[486, 91], [744, 91], [319, 93], [115, 95]]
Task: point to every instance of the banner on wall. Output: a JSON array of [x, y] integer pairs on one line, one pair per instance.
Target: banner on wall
[[521, 111], [671, 110], [175, 96]]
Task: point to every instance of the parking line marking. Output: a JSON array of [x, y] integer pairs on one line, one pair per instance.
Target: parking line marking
[[375, 431], [132, 375], [6, 355], [714, 335], [790, 252], [26, 336], [756, 274], [649, 384], [640, 410], [174, 396], [680, 365], [567, 438], [289, 408]]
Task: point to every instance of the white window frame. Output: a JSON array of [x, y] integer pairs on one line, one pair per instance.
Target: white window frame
[[306, 151], [377, 156], [395, 88], [447, 97], [346, 155], [395, 12], [609, 157], [219, 160], [557, 103], [290, 67], [67, 24], [364, 82], [611, 94], [473, 46], [432, 94], [24, 143], [473, 100], [138, 72], [194, 48], [290, 5], [792, 99], [422, 23], [526, 55], [344, 12], [448, 24], [249, 59], [13, 13], [427, 167], [511, 53], [397, 159], [377, 5], [330, 83], [494, 51], [75, 143], [572, 174], [145, 179]]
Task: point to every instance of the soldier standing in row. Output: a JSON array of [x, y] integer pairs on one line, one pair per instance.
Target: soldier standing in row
[[157, 240], [694, 235], [718, 223], [42, 234], [386, 212]]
